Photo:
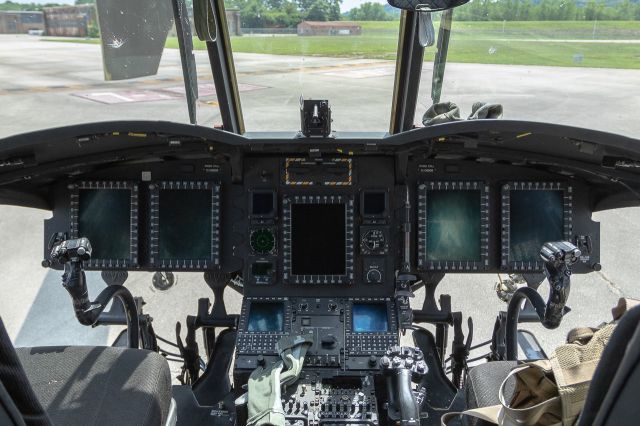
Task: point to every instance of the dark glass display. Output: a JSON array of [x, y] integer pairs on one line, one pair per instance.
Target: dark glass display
[[184, 224], [262, 203], [266, 317], [374, 203], [318, 239], [261, 269], [536, 217], [370, 318], [453, 226], [104, 217]]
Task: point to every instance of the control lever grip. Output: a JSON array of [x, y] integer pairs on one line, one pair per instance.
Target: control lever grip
[[402, 365], [558, 257]]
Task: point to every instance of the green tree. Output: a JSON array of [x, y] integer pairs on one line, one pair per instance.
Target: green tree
[[370, 12]]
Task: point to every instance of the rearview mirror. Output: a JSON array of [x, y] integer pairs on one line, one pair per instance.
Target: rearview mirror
[[426, 5]]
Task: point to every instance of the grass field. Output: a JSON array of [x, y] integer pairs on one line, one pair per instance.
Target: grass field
[[572, 44]]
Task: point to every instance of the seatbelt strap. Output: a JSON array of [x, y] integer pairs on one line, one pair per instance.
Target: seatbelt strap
[[505, 415], [263, 397]]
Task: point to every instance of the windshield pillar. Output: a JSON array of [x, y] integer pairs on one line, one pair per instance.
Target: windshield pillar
[[224, 73], [408, 74]]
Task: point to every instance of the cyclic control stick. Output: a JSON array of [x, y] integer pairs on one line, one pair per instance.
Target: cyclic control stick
[[71, 254], [558, 258]]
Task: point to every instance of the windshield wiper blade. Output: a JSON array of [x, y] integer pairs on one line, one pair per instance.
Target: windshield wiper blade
[[440, 60], [185, 42]]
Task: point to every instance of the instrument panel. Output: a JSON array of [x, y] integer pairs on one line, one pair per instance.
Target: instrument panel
[[303, 223]]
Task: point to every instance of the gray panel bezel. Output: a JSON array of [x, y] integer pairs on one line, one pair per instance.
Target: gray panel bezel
[[74, 207], [505, 202], [348, 276], [452, 265], [154, 219]]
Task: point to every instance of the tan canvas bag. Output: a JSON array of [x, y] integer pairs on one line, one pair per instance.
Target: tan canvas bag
[[552, 392]]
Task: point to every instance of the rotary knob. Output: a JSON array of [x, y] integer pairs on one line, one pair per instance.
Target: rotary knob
[[374, 276]]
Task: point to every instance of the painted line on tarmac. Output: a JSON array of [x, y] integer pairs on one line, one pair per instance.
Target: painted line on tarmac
[[164, 80]]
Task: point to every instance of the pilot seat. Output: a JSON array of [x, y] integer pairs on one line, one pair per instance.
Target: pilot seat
[[83, 385], [613, 392]]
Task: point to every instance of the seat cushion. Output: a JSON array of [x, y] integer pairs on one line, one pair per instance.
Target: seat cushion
[[483, 383], [90, 385]]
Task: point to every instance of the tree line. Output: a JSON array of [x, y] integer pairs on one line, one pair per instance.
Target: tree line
[[549, 10], [289, 13], [284, 13]]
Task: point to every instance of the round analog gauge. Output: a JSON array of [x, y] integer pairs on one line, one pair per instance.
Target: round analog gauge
[[263, 241], [374, 240]]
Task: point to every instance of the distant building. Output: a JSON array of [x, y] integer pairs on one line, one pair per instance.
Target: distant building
[[331, 28], [20, 22], [70, 21]]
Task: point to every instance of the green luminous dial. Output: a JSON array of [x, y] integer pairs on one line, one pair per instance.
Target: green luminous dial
[[263, 241]]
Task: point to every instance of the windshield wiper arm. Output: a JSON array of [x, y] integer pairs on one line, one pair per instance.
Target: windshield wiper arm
[[440, 60]]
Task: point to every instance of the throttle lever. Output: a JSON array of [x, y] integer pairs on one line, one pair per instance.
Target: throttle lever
[[401, 365]]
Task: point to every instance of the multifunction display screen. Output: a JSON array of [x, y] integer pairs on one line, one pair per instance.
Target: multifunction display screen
[[535, 217], [185, 224], [266, 316], [370, 318], [104, 217], [318, 239], [453, 225]]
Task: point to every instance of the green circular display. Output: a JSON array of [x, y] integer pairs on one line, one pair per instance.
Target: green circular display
[[263, 241]]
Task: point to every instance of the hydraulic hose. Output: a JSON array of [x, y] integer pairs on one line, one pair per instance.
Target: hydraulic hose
[[87, 313]]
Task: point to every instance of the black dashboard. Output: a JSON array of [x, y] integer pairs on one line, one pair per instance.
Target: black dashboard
[[297, 223], [323, 237]]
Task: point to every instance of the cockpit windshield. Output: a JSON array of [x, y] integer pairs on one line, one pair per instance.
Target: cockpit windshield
[[569, 62]]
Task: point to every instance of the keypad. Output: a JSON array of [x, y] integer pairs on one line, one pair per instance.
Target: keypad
[[264, 344], [369, 344]]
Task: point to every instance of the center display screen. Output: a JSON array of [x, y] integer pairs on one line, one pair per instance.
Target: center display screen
[[104, 217], [185, 224], [453, 225], [370, 318], [318, 239], [266, 317], [536, 217]]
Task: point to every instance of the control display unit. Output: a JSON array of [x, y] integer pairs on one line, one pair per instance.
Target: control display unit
[[371, 327], [369, 318], [318, 239], [262, 322], [107, 214], [453, 225], [185, 225], [533, 213]]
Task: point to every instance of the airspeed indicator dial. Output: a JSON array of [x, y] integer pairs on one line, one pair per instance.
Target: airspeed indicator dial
[[263, 241]]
